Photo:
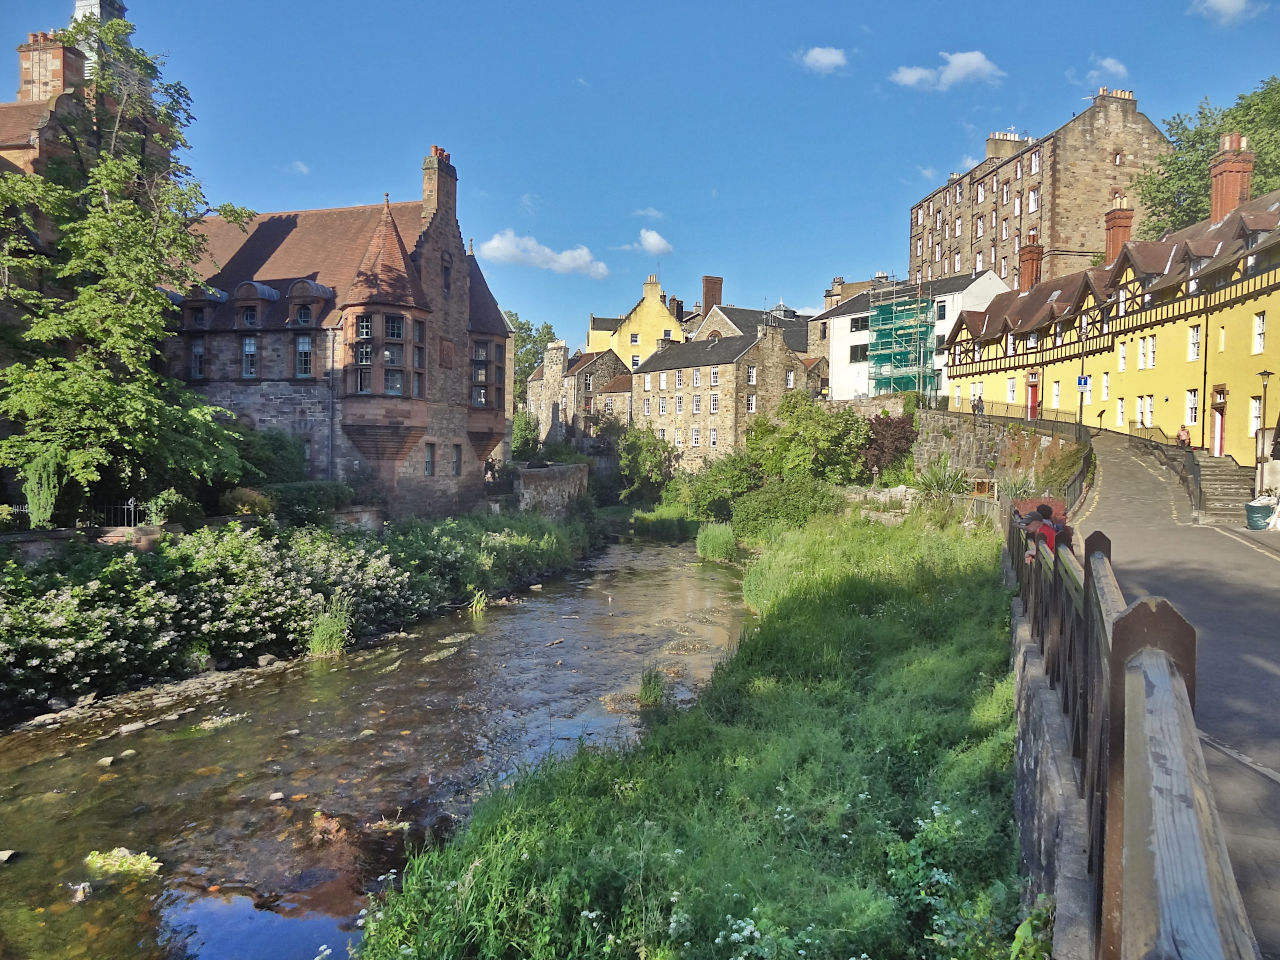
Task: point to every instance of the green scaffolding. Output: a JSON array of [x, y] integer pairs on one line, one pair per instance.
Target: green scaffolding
[[900, 354]]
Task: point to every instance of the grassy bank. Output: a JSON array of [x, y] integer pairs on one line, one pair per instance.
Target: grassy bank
[[100, 620], [841, 789]]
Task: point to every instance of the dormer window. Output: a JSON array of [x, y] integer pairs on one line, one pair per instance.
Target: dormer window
[[199, 318], [248, 316], [302, 315]]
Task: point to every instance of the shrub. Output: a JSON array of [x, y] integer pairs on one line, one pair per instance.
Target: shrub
[[890, 443], [524, 436], [272, 456], [170, 506], [244, 502], [708, 493], [792, 501], [331, 629], [940, 480], [806, 437], [308, 502], [664, 522], [716, 542], [647, 464]]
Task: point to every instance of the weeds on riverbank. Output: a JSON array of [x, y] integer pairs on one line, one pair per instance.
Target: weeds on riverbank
[[331, 629], [841, 788], [716, 542]]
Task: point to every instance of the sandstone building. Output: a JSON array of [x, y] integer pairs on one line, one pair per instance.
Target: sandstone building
[[562, 390], [369, 332], [1051, 190]]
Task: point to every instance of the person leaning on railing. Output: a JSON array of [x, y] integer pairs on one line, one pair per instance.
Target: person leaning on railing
[[1039, 525]]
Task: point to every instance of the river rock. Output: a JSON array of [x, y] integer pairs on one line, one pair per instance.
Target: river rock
[[106, 761], [131, 728], [125, 754], [295, 732], [535, 586], [87, 699], [6, 855], [267, 660], [58, 704], [276, 796]]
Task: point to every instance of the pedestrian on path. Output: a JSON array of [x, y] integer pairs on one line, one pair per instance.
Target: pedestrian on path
[[1184, 436]]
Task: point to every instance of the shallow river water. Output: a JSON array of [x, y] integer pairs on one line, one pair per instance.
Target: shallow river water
[[274, 799]]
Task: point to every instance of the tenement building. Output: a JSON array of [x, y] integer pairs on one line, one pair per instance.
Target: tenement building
[[1051, 190], [655, 317], [562, 390], [1168, 333], [369, 332]]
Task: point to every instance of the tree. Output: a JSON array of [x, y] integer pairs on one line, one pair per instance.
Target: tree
[[803, 437], [87, 253], [647, 464], [524, 435], [527, 345], [1175, 192]]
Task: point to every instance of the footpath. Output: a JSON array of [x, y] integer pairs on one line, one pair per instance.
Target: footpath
[[1226, 582]]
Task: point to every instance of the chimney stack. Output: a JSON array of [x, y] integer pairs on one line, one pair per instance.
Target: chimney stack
[[1119, 224], [439, 187], [677, 308], [712, 290], [1029, 260], [1230, 176], [46, 68]]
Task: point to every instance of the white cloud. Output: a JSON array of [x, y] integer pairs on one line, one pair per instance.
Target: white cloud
[[1105, 69], [506, 247], [968, 163], [823, 59], [529, 203], [927, 172], [958, 68], [1227, 11], [299, 167], [651, 242], [651, 212], [581, 81]]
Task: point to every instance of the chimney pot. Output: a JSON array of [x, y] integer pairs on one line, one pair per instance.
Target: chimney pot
[[1230, 176], [1119, 228]]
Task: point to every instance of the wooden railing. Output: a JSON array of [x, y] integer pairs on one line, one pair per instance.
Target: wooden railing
[[1163, 886]]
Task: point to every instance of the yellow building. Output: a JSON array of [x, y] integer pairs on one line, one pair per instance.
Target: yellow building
[[1172, 332], [636, 335]]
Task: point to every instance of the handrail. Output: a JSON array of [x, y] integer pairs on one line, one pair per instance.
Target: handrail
[[1092, 644]]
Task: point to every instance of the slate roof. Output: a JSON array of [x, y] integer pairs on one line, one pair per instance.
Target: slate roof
[[582, 360], [537, 373], [484, 316], [605, 323], [697, 353]]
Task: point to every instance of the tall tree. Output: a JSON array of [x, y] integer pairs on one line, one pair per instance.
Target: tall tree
[[88, 251], [528, 345], [1175, 192]]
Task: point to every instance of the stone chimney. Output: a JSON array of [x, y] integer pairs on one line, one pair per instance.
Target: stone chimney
[[47, 68], [1029, 260], [1119, 224], [712, 291], [1230, 175], [555, 361], [653, 289], [677, 308], [1003, 144], [439, 186]]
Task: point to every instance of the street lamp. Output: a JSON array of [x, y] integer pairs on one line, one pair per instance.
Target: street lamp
[[1265, 375]]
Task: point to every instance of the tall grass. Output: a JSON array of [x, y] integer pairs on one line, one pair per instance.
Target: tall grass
[[841, 788], [331, 629], [716, 542]]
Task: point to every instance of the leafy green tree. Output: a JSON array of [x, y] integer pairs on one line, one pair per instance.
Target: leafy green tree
[[1175, 192], [647, 464], [527, 346], [803, 437], [87, 252], [524, 436]]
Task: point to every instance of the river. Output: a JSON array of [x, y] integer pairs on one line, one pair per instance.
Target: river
[[275, 799]]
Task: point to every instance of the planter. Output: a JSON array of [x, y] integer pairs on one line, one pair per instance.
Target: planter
[[1257, 516]]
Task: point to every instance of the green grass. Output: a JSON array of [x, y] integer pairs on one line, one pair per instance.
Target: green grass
[[842, 787], [666, 522], [331, 629], [716, 542]]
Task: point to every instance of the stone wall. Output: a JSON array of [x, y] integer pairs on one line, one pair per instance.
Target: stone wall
[[550, 490], [890, 403], [969, 443]]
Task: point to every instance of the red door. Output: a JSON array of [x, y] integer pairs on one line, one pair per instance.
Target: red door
[[1033, 401]]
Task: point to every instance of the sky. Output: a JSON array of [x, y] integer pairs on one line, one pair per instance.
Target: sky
[[774, 145]]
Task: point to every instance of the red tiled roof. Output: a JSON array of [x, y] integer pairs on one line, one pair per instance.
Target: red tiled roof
[[385, 274], [810, 361], [581, 361], [537, 373], [19, 120], [619, 384]]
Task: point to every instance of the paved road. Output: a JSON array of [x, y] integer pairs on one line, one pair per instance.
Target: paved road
[[1227, 583]]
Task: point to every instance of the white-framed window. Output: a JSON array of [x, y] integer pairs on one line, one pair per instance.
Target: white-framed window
[[1004, 229], [1033, 340], [662, 406], [1004, 268], [697, 403], [919, 246], [662, 433], [1193, 407], [587, 380], [1259, 332], [248, 357], [978, 226], [713, 402], [635, 360], [1121, 350], [751, 403], [648, 381], [977, 262], [1004, 192], [1148, 415], [679, 379], [791, 379], [1255, 415], [711, 436], [919, 216], [751, 375], [679, 404], [697, 376], [1120, 412], [1142, 353], [695, 437], [1106, 386], [1017, 205], [715, 377], [1057, 394], [959, 191], [959, 226], [1193, 342], [647, 408], [302, 355], [429, 461], [1012, 387], [937, 254], [679, 438], [956, 268], [608, 404], [1033, 200], [635, 339], [982, 192], [1151, 352], [1035, 163], [662, 380]]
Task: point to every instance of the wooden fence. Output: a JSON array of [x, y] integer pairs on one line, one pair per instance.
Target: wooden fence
[[1163, 887]]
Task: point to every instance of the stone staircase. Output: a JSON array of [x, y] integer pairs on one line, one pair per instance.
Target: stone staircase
[[1226, 487]]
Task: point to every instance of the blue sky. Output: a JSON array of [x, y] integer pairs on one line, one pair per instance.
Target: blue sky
[[776, 145]]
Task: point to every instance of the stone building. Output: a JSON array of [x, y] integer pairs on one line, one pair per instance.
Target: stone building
[[562, 390], [702, 395], [369, 332], [1052, 190], [655, 317]]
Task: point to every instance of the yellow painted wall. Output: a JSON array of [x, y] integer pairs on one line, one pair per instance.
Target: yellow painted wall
[[647, 323]]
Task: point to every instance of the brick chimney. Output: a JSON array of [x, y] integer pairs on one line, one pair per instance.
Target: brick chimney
[[712, 290], [1119, 224], [47, 68], [1029, 260], [439, 186], [1230, 175], [677, 308]]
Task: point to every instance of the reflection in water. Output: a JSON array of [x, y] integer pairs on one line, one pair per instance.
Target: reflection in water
[[275, 799]]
